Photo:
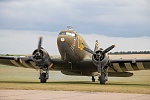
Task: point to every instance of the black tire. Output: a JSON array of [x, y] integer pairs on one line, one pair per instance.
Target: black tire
[[43, 78], [102, 78]]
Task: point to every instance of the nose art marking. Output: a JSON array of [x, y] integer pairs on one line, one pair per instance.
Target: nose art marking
[[62, 39]]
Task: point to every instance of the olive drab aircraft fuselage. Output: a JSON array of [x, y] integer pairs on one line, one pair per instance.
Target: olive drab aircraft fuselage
[[76, 58], [71, 45]]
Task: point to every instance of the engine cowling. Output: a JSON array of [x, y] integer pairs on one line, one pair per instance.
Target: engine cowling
[[98, 56], [41, 58]]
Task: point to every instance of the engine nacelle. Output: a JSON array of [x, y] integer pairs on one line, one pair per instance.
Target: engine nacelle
[[104, 58], [41, 58]]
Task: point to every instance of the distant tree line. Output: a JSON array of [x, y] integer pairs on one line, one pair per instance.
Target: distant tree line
[[131, 52]]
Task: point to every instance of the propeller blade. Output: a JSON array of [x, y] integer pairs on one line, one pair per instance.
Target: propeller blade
[[39, 44], [99, 66], [96, 46], [89, 50], [108, 49]]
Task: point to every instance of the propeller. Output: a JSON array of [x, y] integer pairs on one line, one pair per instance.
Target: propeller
[[99, 66], [99, 54], [108, 49], [96, 46], [39, 44], [38, 54]]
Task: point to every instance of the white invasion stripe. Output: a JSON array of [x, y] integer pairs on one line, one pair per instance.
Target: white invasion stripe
[[117, 67], [71, 48], [33, 64], [15, 63], [24, 63], [129, 67], [140, 66]]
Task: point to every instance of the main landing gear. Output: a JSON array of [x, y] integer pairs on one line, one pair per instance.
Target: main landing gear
[[44, 75], [103, 77]]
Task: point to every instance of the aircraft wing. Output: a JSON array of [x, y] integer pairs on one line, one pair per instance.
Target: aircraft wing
[[27, 62], [123, 65], [120, 65], [18, 61], [117, 68]]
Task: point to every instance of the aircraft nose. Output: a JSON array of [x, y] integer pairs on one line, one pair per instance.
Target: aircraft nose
[[66, 39]]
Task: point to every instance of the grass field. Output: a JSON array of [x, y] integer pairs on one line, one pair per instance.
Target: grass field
[[27, 79]]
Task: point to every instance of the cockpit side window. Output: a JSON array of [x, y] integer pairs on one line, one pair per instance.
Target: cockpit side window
[[62, 33]]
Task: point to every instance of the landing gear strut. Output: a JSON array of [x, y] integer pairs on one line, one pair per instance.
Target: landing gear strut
[[93, 79], [44, 75], [103, 77]]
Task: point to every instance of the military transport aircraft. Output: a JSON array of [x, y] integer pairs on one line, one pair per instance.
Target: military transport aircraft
[[76, 58]]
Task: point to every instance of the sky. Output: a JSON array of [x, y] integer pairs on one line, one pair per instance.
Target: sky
[[125, 23], [26, 41]]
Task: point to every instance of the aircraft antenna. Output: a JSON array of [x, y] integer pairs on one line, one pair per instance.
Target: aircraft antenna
[[69, 27]]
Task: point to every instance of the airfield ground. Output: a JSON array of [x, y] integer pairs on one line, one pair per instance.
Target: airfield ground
[[67, 95], [15, 78]]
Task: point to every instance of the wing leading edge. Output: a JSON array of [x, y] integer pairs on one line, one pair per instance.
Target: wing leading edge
[[27, 62], [18, 61], [118, 65]]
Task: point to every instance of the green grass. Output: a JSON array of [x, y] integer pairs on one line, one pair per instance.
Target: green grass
[[27, 79]]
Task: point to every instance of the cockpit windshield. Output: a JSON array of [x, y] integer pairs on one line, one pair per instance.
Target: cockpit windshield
[[71, 34], [67, 33]]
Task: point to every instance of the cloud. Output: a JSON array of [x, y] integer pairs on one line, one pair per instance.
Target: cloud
[[124, 18], [24, 42], [122, 44]]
